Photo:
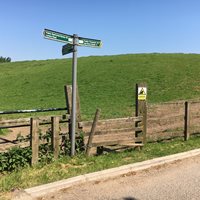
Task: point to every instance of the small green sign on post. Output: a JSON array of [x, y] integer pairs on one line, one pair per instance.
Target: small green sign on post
[[68, 48]]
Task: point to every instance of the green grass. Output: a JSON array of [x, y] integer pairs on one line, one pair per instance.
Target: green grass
[[70, 167], [4, 132], [107, 82]]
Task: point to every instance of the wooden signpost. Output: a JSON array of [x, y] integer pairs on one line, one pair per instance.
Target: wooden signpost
[[71, 43]]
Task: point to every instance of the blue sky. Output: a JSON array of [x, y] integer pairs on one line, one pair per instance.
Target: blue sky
[[124, 26]]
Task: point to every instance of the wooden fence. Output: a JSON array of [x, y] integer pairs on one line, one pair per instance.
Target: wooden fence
[[118, 133], [21, 128], [34, 137], [111, 132], [130, 125], [162, 121], [174, 119]]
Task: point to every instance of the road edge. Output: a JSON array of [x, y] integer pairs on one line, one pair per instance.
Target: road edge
[[40, 191]]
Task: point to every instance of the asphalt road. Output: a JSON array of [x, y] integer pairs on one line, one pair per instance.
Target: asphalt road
[[179, 180]]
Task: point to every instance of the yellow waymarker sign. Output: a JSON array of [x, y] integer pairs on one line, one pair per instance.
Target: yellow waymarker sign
[[142, 93]]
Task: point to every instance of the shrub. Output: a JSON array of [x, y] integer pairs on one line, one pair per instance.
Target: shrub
[[4, 59], [18, 157], [15, 158]]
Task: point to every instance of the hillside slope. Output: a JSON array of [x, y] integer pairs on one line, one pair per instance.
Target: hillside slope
[[107, 82]]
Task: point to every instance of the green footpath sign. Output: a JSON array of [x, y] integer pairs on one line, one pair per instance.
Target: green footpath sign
[[57, 36], [89, 42], [65, 38]]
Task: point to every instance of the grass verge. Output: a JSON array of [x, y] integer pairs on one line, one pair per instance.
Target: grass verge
[[69, 167]]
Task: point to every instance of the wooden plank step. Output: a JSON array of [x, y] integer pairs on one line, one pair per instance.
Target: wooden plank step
[[117, 148], [126, 137], [132, 144], [115, 136], [115, 131], [116, 142], [87, 129], [111, 123]]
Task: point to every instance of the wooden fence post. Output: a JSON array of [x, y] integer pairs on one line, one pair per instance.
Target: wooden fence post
[[187, 121], [34, 142], [55, 135], [92, 132], [141, 107], [68, 96]]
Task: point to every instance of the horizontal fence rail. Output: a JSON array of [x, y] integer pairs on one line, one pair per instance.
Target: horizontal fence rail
[[31, 111], [23, 122]]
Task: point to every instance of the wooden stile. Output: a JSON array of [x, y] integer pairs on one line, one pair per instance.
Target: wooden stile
[[113, 133]]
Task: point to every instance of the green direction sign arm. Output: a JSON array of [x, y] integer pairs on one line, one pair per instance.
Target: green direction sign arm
[[62, 37], [57, 36], [89, 42]]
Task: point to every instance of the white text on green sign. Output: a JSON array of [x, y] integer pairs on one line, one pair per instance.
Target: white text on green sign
[[57, 36], [89, 42], [65, 38]]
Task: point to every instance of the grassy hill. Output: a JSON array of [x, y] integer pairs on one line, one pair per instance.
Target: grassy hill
[[107, 82]]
